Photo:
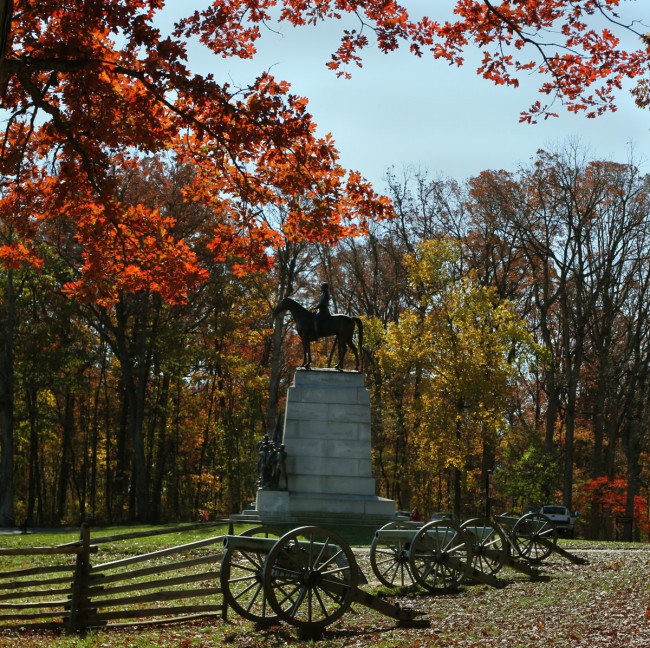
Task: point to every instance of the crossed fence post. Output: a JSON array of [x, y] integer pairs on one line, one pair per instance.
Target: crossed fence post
[[79, 599]]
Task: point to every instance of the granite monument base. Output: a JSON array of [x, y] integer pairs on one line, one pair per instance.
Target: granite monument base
[[327, 440]]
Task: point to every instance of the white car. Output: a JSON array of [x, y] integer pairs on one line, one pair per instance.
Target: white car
[[561, 517]]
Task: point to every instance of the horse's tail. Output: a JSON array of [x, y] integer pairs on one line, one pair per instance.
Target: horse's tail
[[359, 324]]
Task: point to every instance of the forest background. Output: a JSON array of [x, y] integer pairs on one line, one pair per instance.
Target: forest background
[[151, 219]]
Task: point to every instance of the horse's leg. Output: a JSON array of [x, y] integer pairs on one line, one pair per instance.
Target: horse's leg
[[341, 346], [304, 353], [329, 360], [353, 346], [306, 356]]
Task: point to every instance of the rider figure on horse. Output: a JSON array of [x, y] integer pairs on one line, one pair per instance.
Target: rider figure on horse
[[322, 309], [310, 326]]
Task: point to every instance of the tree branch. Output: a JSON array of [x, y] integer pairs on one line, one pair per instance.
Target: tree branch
[[6, 15]]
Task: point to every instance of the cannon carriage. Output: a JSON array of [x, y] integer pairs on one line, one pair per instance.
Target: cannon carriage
[[533, 537], [307, 578], [442, 554], [436, 556]]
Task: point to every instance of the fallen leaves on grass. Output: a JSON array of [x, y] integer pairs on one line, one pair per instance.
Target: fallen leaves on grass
[[604, 603]]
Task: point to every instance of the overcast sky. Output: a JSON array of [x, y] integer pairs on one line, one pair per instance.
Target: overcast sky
[[399, 110]]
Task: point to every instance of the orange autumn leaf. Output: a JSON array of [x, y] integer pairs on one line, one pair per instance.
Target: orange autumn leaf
[[91, 88]]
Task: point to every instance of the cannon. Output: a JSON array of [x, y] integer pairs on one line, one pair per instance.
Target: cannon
[[441, 555], [389, 553], [494, 548], [307, 577], [534, 537], [438, 556]]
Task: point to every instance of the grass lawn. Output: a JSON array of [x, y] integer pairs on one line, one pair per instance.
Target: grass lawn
[[603, 603]]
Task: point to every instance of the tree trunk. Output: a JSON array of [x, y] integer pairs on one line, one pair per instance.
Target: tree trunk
[[457, 478], [567, 490], [31, 397], [7, 324], [135, 408], [487, 466], [67, 428], [161, 454], [633, 472], [94, 449], [134, 368]]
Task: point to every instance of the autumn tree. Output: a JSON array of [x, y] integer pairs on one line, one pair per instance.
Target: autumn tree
[[88, 86], [450, 364], [535, 236], [572, 234], [91, 78], [636, 362]]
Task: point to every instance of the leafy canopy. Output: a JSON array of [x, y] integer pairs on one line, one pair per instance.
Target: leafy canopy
[[450, 365], [88, 87]]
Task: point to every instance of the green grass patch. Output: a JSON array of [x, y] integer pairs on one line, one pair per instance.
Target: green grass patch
[[573, 605]]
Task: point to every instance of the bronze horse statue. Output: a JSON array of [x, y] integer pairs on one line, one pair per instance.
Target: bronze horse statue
[[341, 326]]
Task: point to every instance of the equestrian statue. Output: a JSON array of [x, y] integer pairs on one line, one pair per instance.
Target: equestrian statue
[[312, 326]]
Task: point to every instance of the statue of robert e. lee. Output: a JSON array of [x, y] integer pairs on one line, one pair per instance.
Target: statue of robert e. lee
[[317, 322]]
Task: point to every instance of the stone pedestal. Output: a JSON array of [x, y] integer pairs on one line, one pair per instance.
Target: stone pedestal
[[327, 440]]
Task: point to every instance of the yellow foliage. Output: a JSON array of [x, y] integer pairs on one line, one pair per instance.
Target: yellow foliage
[[448, 369]]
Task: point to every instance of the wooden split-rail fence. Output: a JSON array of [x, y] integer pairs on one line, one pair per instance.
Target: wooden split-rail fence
[[76, 593]]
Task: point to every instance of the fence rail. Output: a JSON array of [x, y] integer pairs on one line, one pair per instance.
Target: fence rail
[[135, 590]]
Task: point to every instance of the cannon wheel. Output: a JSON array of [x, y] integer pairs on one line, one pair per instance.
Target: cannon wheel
[[242, 580], [309, 578], [534, 537], [490, 546], [389, 559], [440, 556]]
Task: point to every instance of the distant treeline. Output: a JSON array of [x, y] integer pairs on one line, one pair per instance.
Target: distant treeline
[[506, 329]]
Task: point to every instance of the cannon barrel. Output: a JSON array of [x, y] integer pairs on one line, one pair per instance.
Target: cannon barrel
[[406, 535], [508, 520], [480, 533], [246, 543], [264, 545]]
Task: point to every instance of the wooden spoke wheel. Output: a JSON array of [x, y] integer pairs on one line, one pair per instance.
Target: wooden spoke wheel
[[440, 556], [490, 547], [389, 553], [534, 536], [242, 579], [309, 578]]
